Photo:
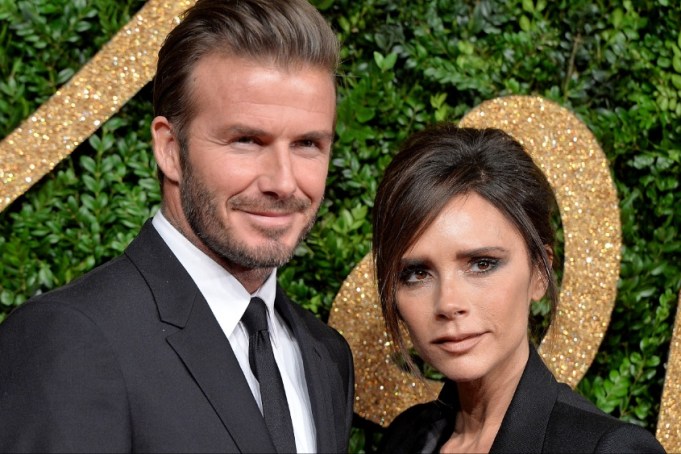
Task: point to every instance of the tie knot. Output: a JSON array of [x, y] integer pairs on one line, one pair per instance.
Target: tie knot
[[255, 317]]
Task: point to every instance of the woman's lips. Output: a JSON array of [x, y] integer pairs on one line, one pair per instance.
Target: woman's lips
[[458, 344]]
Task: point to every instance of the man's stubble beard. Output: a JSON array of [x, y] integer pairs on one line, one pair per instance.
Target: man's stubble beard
[[201, 211]]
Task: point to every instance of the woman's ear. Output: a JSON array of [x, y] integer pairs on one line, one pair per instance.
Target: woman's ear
[[166, 149], [540, 281]]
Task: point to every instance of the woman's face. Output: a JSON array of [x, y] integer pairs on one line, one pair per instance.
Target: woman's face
[[465, 291]]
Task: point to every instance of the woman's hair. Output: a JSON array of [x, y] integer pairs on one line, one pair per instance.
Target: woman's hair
[[438, 164]]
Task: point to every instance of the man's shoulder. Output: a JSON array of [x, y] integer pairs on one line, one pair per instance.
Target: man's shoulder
[[100, 294], [115, 277], [119, 278]]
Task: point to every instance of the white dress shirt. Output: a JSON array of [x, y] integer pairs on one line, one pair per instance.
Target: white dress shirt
[[228, 300]]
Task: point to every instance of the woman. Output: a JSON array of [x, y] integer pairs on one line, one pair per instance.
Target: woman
[[462, 245]]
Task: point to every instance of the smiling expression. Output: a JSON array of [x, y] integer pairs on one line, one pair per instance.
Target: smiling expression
[[465, 290], [255, 161]]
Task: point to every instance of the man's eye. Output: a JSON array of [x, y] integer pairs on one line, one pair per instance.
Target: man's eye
[[307, 143]]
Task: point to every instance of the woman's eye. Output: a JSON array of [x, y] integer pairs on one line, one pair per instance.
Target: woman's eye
[[413, 275], [483, 265]]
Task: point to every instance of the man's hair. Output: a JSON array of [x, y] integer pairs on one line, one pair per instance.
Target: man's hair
[[287, 34], [443, 162]]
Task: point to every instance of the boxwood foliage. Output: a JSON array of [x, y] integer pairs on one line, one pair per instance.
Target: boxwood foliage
[[406, 64]]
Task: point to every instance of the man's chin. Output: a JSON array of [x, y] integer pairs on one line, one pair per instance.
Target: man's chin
[[263, 254]]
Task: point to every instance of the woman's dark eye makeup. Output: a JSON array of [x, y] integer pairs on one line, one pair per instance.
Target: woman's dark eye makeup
[[416, 272], [483, 265], [412, 273]]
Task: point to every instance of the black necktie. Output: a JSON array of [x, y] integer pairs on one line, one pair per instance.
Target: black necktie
[[272, 394]]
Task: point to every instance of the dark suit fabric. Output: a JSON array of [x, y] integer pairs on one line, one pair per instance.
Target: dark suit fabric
[[544, 416], [130, 358]]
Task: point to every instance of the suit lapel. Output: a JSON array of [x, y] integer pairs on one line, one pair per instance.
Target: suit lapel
[[209, 358], [320, 384], [200, 342], [523, 428]]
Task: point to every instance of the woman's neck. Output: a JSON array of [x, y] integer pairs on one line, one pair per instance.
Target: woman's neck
[[483, 404]]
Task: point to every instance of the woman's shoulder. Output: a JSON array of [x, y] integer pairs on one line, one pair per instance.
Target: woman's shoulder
[[417, 429], [579, 425]]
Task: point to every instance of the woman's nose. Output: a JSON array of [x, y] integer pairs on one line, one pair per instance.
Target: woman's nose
[[451, 302]]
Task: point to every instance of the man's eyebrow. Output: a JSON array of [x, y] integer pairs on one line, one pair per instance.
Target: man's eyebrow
[[243, 130], [318, 135]]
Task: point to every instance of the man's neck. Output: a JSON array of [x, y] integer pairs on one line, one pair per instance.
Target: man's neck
[[251, 278]]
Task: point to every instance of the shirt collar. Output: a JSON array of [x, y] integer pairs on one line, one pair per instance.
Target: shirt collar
[[225, 295]]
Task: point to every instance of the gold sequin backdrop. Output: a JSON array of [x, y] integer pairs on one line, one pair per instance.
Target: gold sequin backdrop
[[563, 147], [113, 76]]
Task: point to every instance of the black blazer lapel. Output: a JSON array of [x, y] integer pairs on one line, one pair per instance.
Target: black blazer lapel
[[320, 383], [200, 342], [523, 428], [209, 358]]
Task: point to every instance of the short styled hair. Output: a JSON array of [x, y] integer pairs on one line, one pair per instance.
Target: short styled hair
[[438, 164], [287, 34]]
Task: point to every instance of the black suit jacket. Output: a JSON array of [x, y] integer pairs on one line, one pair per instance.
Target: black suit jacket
[[544, 416], [130, 358]]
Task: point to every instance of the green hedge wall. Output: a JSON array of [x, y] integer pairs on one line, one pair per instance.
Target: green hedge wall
[[406, 64]]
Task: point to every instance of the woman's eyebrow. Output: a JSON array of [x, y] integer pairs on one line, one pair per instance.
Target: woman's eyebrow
[[411, 262], [481, 251]]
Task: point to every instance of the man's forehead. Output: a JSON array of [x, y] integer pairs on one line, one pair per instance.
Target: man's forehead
[[267, 62]]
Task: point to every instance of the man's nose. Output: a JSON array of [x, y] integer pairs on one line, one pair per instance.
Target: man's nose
[[277, 173]]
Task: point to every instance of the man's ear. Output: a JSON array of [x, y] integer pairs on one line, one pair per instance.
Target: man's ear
[[166, 149], [540, 281]]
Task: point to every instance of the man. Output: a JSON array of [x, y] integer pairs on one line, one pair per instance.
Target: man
[[159, 349]]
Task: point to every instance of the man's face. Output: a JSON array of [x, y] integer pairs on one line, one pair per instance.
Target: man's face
[[257, 156]]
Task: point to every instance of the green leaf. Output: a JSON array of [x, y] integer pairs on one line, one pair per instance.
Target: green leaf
[[676, 63], [676, 81], [525, 24]]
